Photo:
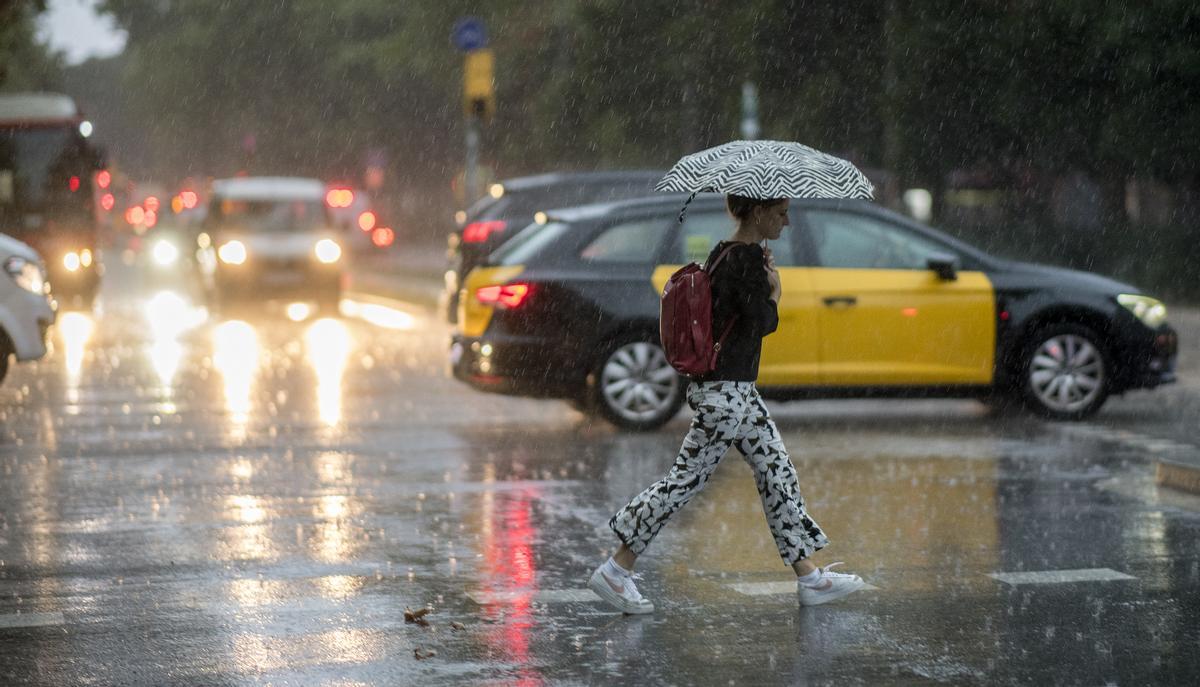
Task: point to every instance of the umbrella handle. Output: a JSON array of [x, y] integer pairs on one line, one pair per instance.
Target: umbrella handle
[[686, 203]]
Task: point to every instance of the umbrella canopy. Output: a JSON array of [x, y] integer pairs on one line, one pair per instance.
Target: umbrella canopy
[[766, 170]]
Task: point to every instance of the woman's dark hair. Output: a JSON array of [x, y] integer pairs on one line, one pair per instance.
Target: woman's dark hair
[[741, 206]]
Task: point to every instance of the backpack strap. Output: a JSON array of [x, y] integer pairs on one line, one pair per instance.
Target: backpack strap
[[733, 320], [724, 335], [720, 257]]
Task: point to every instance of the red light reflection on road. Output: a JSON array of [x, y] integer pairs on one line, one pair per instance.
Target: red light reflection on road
[[509, 570]]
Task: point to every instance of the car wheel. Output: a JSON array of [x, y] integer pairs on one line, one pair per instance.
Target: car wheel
[[636, 388], [6, 353], [1066, 372]]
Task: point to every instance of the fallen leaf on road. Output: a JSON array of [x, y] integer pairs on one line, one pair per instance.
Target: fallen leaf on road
[[417, 616], [422, 654], [457, 626]]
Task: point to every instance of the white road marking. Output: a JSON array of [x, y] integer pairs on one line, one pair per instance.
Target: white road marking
[[14, 620], [550, 596], [1134, 440], [1061, 576], [779, 587]]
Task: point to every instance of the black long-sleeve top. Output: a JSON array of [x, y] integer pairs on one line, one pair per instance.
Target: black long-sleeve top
[[740, 289]]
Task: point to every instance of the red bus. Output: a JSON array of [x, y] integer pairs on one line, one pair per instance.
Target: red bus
[[48, 188]]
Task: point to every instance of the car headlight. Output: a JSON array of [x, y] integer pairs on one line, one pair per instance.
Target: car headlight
[[165, 253], [72, 261], [28, 275], [1150, 311], [232, 252], [327, 251]]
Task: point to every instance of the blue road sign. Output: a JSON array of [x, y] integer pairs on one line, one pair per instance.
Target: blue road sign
[[469, 34]]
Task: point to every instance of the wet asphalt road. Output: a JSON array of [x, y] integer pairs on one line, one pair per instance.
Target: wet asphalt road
[[198, 501]]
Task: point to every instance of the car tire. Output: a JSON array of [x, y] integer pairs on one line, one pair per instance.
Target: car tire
[[634, 386], [1065, 372], [6, 354]]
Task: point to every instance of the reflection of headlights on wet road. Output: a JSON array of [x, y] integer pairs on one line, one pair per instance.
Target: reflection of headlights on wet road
[[75, 328], [235, 356], [298, 312], [28, 275], [327, 251], [328, 342], [232, 253], [164, 253], [169, 315]]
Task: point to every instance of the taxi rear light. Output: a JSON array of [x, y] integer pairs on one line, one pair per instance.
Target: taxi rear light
[[504, 295], [478, 232]]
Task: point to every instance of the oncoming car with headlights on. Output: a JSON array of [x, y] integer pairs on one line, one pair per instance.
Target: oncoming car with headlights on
[[26, 308], [271, 237], [874, 305]]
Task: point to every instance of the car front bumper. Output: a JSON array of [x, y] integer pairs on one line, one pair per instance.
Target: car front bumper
[[27, 318], [84, 282], [278, 279], [1147, 360]]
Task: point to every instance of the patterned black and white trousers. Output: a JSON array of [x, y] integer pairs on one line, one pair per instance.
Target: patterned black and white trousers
[[727, 414]]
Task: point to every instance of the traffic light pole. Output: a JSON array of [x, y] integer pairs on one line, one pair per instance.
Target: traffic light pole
[[471, 174]]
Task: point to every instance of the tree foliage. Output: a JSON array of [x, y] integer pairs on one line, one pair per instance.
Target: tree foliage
[[25, 64], [919, 88]]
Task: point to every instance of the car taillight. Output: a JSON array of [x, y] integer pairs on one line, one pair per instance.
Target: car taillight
[[505, 295], [478, 232]]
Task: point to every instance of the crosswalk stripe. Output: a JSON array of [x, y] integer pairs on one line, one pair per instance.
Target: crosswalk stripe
[[15, 620], [540, 596], [1060, 576], [778, 587]]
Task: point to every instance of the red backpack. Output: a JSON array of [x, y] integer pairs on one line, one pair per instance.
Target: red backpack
[[685, 319]]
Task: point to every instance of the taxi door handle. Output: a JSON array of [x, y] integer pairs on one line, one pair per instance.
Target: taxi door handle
[[845, 301]]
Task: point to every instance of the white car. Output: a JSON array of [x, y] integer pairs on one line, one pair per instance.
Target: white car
[[272, 237], [26, 308]]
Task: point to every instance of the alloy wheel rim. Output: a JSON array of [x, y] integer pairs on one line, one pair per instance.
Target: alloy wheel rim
[[1067, 373], [638, 383]]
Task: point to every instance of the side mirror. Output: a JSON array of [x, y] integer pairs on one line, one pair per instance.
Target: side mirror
[[945, 265]]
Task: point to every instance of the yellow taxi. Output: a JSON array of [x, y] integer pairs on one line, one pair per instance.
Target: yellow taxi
[[874, 304]]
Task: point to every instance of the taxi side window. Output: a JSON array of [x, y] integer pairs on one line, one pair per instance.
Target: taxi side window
[[703, 230], [636, 241], [849, 240]]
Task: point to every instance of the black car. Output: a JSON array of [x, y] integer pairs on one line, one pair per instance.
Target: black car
[[874, 304], [511, 204]]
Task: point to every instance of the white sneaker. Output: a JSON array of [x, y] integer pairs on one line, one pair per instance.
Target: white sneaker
[[830, 586], [619, 591]]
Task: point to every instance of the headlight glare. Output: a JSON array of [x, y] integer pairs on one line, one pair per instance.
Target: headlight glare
[[232, 252], [28, 275], [327, 251], [72, 261], [1151, 311], [165, 253]]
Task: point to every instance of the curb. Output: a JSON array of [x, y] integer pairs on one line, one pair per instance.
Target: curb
[[422, 291], [1178, 474]]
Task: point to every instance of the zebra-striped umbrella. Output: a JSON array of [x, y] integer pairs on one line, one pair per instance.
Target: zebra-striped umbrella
[[766, 170]]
